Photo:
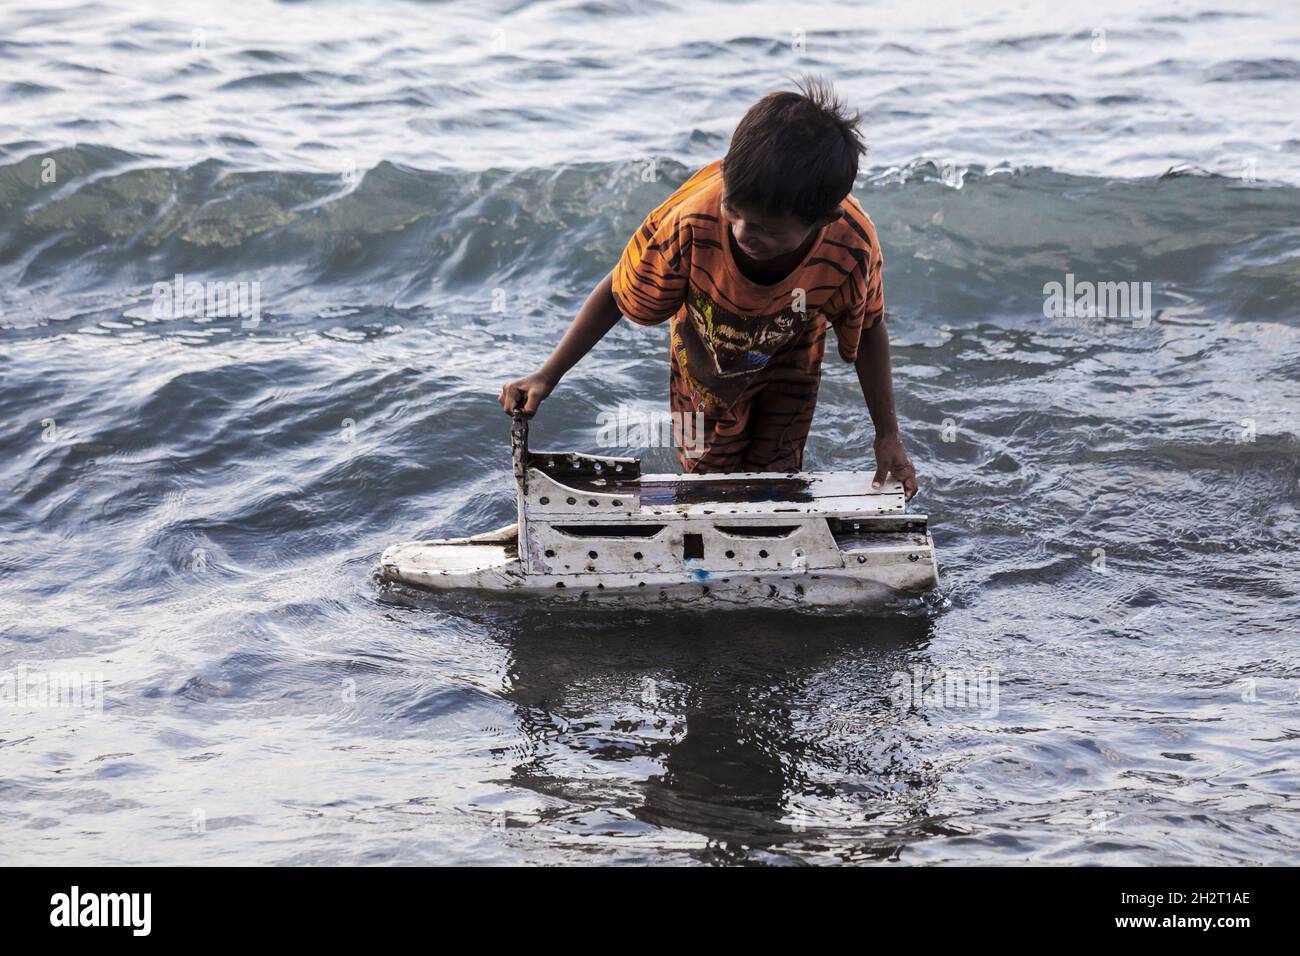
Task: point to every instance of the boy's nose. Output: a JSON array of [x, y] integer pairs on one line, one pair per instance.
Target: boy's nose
[[744, 239]]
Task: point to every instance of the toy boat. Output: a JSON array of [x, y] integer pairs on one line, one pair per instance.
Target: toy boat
[[595, 529]]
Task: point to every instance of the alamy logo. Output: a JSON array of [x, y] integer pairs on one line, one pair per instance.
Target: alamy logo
[[208, 300], [1083, 299], [947, 689], [632, 428], [22, 689], [102, 909]]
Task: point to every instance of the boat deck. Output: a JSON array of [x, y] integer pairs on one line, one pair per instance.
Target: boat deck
[[753, 492]]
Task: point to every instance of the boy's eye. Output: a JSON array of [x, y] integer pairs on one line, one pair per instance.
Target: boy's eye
[[730, 212]]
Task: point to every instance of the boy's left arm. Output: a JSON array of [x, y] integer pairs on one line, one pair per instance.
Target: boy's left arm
[[876, 376]]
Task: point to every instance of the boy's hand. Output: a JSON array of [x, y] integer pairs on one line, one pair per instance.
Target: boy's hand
[[528, 391], [891, 459]]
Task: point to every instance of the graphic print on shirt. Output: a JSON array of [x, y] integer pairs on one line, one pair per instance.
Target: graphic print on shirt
[[728, 348]]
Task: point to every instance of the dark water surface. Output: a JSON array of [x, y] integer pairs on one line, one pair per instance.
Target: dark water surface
[[193, 507]]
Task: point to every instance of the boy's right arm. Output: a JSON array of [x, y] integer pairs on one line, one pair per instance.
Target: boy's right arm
[[651, 281], [598, 315]]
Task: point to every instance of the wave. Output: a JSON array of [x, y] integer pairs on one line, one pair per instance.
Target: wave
[[98, 221]]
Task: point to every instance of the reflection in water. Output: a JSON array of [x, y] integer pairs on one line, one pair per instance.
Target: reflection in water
[[726, 727]]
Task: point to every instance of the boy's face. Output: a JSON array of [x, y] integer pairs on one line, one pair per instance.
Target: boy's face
[[762, 235]]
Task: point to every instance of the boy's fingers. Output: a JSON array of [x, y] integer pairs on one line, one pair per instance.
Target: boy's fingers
[[509, 397], [533, 400], [907, 475], [879, 480]]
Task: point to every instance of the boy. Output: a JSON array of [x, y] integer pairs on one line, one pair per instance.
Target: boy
[[752, 259]]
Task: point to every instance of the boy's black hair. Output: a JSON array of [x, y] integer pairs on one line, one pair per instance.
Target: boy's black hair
[[794, 153]]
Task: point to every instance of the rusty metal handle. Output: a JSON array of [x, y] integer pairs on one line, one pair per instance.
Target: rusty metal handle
[[519, 447]]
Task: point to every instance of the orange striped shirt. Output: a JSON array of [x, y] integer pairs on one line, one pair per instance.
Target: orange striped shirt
[[728, 333]]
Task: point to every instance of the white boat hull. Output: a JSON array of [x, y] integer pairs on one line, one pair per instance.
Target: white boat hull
[[887, 573], [594, 529]]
